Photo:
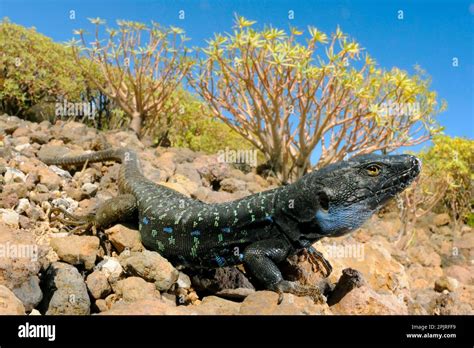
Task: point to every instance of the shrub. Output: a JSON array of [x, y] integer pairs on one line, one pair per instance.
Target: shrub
[[286, 100], [35, 72]]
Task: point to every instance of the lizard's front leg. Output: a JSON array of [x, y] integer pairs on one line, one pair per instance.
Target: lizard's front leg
[[316, 257], [261, 258], [120, 208]]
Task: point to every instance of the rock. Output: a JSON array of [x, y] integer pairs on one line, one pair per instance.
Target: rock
[[183, 281], [98, 284], [9, 303], [40, 138], [61, 172], [123, 237], [152, 267], [90, 189], [364, 300], [213, 305], [449, 303], [349, 280], [29, 293], [35, 312], [463, 274], [77, 250], [235, 294], [232, 185], [218, 279], [134, 289], [13, 175], [142, 307], [20, 262], [101, 305], [49, 178], [380, 270], [23, 206], [266, 303], [65, 291], [67, 203], [441, 219], [111, 267], [9, 217], [425, 255], [446, 283]]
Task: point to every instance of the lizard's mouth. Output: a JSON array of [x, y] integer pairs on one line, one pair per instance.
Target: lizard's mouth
[[398, 182]]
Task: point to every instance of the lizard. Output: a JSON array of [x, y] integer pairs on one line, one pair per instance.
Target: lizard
[[259, 231]]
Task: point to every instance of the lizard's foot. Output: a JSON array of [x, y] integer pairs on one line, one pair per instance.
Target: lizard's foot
[[298, 290], [81, 223], [316, 259]]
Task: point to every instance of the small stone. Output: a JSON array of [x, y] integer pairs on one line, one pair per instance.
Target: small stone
[[22, 147], [134, 289], [111, 267], [29, 293], [101, 305], [442, 219], [150, 266], [123, 238], [183, 281], [10, 304], [77, 250], [40, 188], [65, 291], [35, 312], [446, 284], [61, 172], [9, 217], [98, 284], [13, 175], [90, 189], [22, 206], [49, 178]]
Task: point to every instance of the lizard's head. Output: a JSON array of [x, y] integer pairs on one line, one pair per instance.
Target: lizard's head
[[349, 192]]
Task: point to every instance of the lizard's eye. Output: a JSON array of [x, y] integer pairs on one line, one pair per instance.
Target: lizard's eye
[[373, 170]]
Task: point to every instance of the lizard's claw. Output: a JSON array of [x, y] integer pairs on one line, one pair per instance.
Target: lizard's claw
[[81, 223], [317, 258]]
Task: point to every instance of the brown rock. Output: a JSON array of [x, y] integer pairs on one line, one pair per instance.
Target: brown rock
[[123, 238], [77, 250], [98, 285], [49, 178], [366, 301], [213, 305], [441, 219], [9, 303], [141, 307], [446, 283], [150, 266], [266, 303], [20, 262], [135, 289], [465, 274]]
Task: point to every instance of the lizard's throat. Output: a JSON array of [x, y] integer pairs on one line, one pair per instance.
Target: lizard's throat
[[341, 220]]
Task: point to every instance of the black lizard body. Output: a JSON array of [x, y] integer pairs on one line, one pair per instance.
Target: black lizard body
[[260, 230]]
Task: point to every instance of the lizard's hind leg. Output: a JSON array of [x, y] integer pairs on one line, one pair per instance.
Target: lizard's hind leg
[[120, 208]]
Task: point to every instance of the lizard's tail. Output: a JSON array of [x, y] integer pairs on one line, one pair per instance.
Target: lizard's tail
[[120, 155]]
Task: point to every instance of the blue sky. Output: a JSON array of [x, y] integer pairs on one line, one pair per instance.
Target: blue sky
[[431, 33]]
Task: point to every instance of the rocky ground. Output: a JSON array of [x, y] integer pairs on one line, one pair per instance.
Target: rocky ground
[[45, 270]]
